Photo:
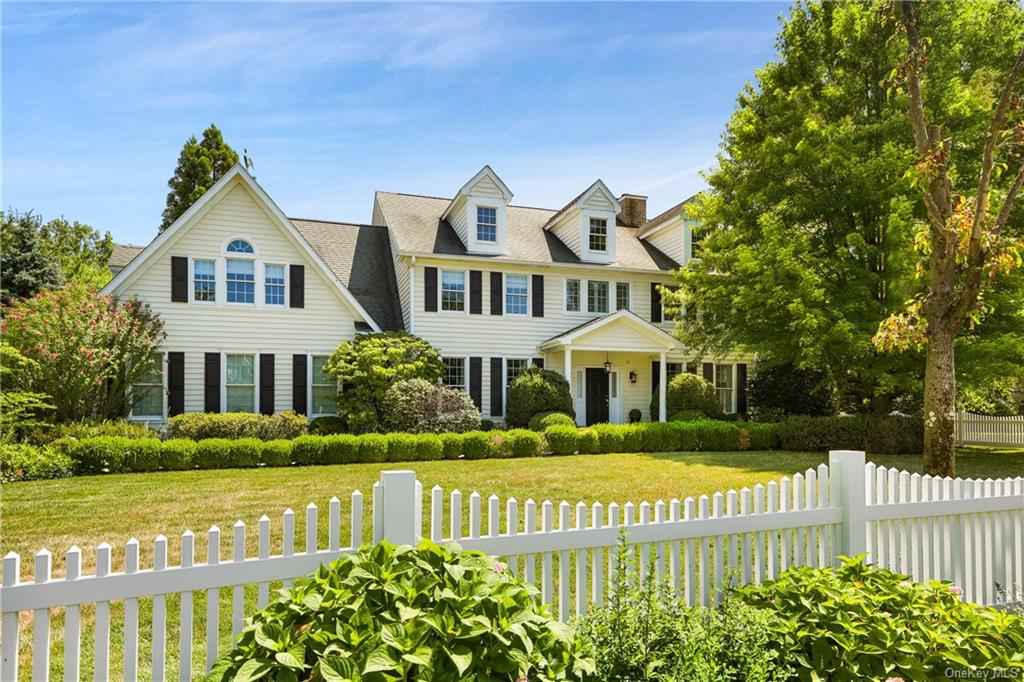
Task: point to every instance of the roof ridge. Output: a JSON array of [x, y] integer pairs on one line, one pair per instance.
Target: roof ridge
[[411, 194], [335, 222], [134, 246]]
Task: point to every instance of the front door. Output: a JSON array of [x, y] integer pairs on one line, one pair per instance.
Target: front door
[[597, 395]]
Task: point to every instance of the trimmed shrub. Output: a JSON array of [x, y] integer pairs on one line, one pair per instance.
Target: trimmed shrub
[[537, 390], [245, 452], [146, 455], [689, 392], [452, 443], [762, 436], [658, 437], [543, 420], [200, 425], [688, 416], [401, 447], [421, 406], [274, 453], [340, 448], [893, 435], [522, 443], [610, 437], [47, 433], [479, 445], [634, 416], [20, 462], [429, 447], [717, 436], [108, 454], [326, 425], [562, 440], [785, 390], [589, 442], [309, 450], [178, 454], [213, 453], [487, 425], [373, 447]]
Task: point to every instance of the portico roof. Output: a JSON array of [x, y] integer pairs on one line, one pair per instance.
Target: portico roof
[[622, 331]]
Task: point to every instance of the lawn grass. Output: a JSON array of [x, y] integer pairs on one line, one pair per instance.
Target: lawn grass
[[86, 511]]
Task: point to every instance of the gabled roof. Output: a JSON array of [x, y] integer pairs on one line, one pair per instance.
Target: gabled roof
[[465, 190], [237, 173], [656, 223], [582, 198], [659, 338], [419, 228], [123, 254]]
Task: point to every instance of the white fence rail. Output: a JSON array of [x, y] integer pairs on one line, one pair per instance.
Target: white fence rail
[[980, 429], [966, 531]]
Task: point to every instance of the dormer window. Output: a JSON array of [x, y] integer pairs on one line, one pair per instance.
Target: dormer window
[[487, 224], [598, 240], [240, 246]]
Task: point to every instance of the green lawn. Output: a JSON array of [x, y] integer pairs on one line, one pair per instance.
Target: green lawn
[[88, 510]]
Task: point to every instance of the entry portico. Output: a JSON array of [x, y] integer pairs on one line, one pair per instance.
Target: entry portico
[[610, 364]]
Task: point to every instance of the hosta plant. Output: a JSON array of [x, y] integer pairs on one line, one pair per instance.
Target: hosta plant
[[402, 613]]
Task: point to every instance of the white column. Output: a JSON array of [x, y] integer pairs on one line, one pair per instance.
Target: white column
[[568, 377], [662, 389], [847, 490]]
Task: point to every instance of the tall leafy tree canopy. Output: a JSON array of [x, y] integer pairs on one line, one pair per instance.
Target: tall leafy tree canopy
[[200, 165], [25, 267], [809, 223], [81, 251]]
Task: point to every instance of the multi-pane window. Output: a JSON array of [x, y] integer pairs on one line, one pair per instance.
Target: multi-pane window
[[672, 369], [273, 283], [204, 280], [725, 387], [622, 295], [324, 389], [598, 234], [515, 294], [454, 373], [148, 390], [241, 281], [572, 295], [453, 290], [486, 224], [514, 367], [597, 297], [239, 246], [240, 382]]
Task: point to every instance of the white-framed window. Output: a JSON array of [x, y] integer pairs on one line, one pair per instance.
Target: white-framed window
[[486, 224], [516, 294], [572, 295], [273, 284], [598, 236], [323, 389], [241, 280], [672, 369], [454, 372], [622, 296], [726, 387], [240, 383], [579, 384], [514, 367], [240, 246], [148, 390], [453, 290], [597, 296], [204, 280]]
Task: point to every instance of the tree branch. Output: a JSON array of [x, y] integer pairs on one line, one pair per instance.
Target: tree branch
[[918, 118], [1004, 212]]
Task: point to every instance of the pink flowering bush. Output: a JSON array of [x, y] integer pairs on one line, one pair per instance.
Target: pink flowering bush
[[86, 349]]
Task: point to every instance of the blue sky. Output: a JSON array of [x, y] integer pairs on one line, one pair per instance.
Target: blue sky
[[335, 101]]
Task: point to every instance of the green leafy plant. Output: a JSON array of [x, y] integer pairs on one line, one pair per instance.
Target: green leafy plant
[[688, 393], [21, 462], [326, 425], [537, 390], [562, 440], [421, 406], [200, 425], [893, 435], [522, 443], [859, 622], [404, 613], [543, 420]]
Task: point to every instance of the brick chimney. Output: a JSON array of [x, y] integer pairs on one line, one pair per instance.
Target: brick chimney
[[634, 210]]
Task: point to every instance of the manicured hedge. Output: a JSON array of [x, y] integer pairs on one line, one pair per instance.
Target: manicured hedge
[[893, 435]]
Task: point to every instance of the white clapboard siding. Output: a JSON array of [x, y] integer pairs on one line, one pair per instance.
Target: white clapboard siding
[[968, 532], [980, 429]]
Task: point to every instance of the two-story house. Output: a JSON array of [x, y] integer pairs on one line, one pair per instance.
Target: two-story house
[[254, 302]]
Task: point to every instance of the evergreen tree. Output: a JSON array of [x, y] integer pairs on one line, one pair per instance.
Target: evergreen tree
[[25, 269], [200, 165]]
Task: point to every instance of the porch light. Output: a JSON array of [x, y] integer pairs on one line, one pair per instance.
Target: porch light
[[632, 376], [607, 367]]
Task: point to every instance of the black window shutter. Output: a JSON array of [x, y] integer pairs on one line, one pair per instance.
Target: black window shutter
[[297, 286], [179, 279], [211, 383], [497, 384], [476, 381], [538, 362], [430, 290], [299, 383], [175, 383], [538, 295], [741, 388], [496, 293], [655, 376], [655, 303], [709, 372], [266, 383], [476, 293]]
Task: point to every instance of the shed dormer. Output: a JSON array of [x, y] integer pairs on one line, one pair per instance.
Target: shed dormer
[[479, 213], [587, 224]]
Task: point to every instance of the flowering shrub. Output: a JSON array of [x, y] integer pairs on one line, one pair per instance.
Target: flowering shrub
[[420, 406], [86, 349]]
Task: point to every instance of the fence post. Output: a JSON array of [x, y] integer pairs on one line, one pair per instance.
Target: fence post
[[847, 488], [400, 508]]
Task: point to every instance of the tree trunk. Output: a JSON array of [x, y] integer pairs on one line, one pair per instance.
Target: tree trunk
[[939, 404]]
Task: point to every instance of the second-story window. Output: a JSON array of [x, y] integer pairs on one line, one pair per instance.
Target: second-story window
[[241, 281], [572, 295], [453, 290], [204, 284], [598, 234], [515, 294], [486, 224], [597, 297], [622, 295], [273, 282]]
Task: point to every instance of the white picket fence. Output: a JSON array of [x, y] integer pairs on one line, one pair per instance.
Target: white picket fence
[[966, 531], [981, 429]]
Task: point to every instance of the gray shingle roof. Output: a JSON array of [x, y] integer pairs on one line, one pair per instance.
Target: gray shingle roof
[[123, 254], [418, 227]]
